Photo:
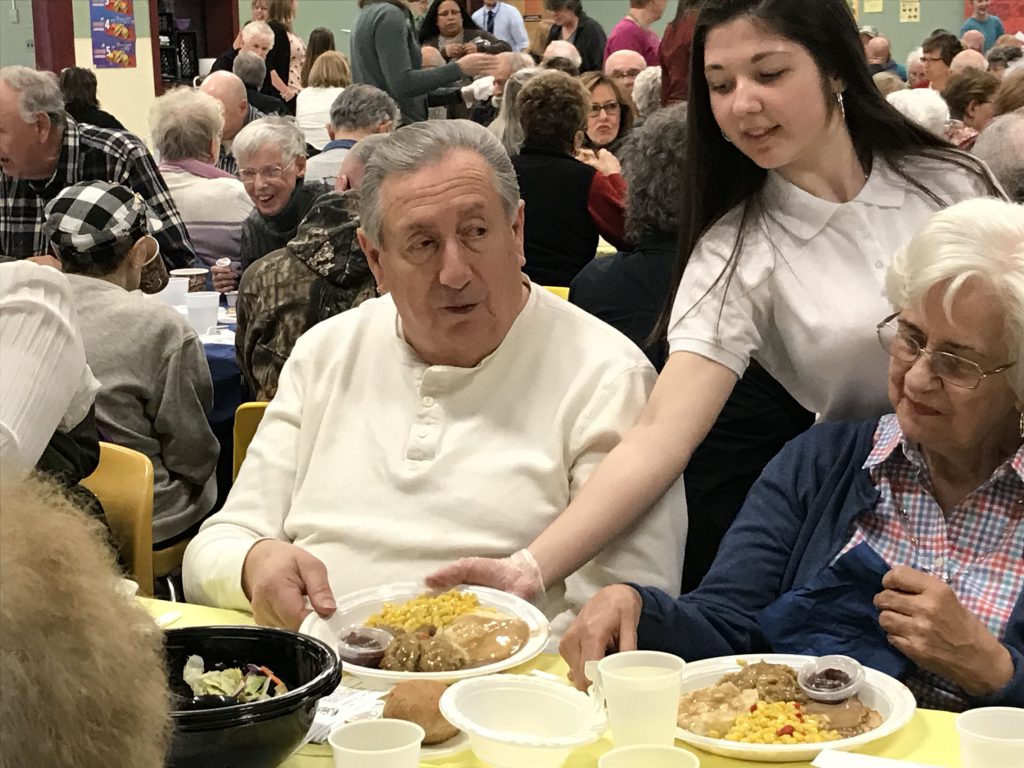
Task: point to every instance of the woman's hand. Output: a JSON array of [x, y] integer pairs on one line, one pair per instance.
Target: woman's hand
[[607, 622], [927, 623], [474, 64], [454, 51], [518, 574], [469, 48], [602, 159]]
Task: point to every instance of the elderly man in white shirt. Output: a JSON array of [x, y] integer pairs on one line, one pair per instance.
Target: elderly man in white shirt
[[504, 21], [456, 414]]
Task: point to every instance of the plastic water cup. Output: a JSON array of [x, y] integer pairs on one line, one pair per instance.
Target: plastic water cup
[[202, 310], [641, 690], [232, 297], [377, 744], [174, 294], [648, 756], [196, 277], [991, 737]]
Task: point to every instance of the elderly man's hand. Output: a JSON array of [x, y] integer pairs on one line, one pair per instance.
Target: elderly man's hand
[[224, 278], [474, 64], [926, 622], [277, 577], [518, 574], [607, 622]]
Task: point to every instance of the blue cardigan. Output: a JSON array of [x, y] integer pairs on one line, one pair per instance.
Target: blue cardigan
[[798, 516]]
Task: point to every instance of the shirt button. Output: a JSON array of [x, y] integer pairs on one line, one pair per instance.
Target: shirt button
[[422, 434], [428, 402], [937, 563], [878, 265]]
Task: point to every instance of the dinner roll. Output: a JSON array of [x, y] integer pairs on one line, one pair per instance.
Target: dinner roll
[[417, 701]]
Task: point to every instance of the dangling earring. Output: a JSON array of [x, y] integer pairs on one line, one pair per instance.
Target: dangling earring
[[842, 109], [727, 139], [1022, 424]]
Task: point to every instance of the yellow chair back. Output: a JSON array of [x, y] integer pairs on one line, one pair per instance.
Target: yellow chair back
[[123, 482], [559, 291], [247, 419]]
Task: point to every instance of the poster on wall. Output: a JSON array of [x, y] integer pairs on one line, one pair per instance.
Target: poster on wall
[[910, 11], [1010, 12], [854, 9], [112, 23]]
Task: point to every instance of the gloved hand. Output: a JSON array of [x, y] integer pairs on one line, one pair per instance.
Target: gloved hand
[[519, 574]]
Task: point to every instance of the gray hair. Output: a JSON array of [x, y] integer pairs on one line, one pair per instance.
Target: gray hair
[[980, 239], [914, 57], [506, 125], [565, 50], [250, 68], [362, 107], [258, 29], [1001, 147], [924, 106], [647, 91], [421, 144], [184, 123], [281, 132], [37, 92], [365, 148], [654, 185]]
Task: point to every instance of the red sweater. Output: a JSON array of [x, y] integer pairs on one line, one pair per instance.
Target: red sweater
[[674, 55]]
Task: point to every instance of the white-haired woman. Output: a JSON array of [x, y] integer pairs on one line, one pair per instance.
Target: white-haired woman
[[898, 540], [506, 125], [186, 127], [271, 154]]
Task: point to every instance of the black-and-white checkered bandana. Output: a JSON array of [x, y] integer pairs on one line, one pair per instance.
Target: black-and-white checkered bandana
[[97, 216]]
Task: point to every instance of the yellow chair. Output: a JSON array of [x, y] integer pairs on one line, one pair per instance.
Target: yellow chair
[[559, 291], [247, 419], [123, 482]]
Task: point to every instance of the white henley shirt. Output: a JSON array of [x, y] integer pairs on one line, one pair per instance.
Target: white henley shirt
[[386, 468]]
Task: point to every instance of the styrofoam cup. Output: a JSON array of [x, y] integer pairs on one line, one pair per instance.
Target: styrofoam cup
[[174, 293], [232, 297], [641, 690], [202, 310], [991, 737], [377, 744], [648, 756]]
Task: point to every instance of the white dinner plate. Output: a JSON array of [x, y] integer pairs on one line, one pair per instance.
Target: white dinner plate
[[354, 609], [454, 745], [886, 695]]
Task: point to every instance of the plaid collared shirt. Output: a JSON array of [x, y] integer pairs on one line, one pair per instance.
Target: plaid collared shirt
[[226, 161], [977, 548], [91, 154]]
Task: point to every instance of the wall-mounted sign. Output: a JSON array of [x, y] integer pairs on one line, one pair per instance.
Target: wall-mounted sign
[[112, 23]]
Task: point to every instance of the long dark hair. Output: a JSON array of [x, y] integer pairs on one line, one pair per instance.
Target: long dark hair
[[78, 87], [429, 28], [321, 40], [719, 177]]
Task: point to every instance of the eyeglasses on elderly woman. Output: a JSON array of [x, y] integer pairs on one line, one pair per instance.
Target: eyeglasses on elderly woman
[[901, 344]]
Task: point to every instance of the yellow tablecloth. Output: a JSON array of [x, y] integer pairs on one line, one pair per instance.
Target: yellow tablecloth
[[929, 738]]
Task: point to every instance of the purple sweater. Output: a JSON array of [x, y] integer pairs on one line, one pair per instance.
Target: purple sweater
[[630, 36]]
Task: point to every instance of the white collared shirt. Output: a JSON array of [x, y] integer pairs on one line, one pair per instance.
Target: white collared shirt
[[508, 24], [386, 468], [808, 291]]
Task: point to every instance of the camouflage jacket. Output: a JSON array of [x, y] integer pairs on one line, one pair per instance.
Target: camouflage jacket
[[320, 273]]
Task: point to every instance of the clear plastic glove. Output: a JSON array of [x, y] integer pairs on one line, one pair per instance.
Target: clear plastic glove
[[482, 88], [519, 574]]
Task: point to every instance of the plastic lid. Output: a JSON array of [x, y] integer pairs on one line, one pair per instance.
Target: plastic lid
[[831, 679]]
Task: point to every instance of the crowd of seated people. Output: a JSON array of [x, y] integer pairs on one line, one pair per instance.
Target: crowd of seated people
[[790, 358]]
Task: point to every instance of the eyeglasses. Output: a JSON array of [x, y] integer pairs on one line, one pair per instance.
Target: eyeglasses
[[611, 108], [952, 369], [268, 172], [620, 74]]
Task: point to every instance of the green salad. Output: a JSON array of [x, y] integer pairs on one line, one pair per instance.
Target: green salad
[[244, 684]]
